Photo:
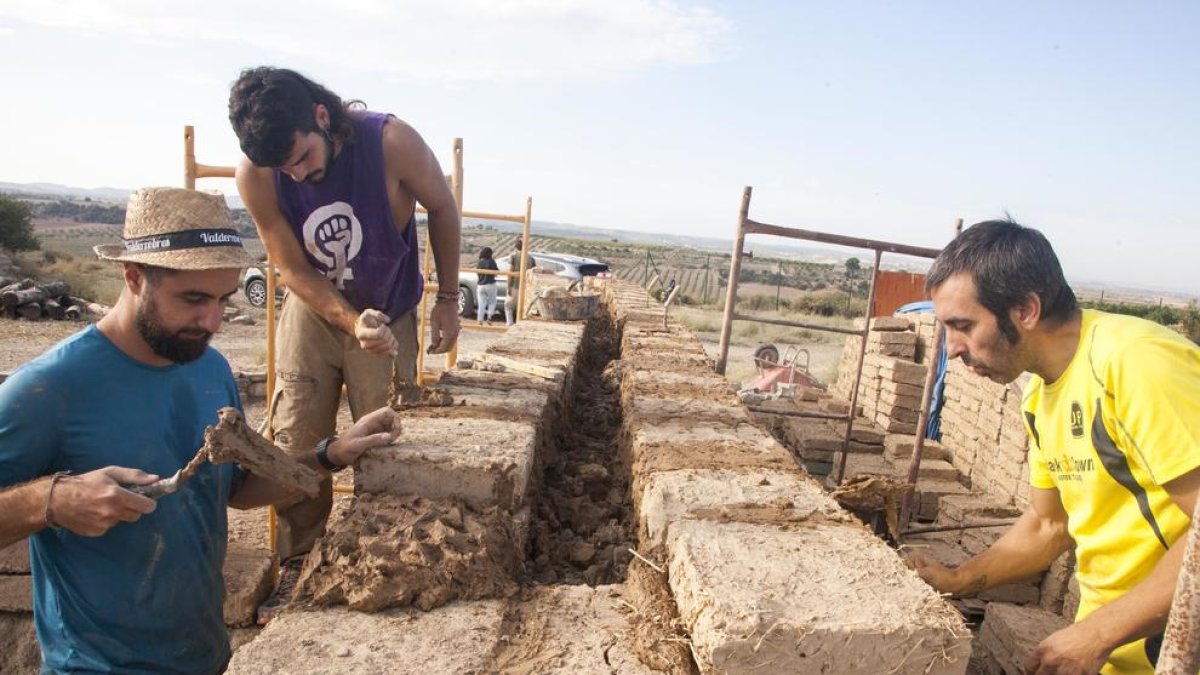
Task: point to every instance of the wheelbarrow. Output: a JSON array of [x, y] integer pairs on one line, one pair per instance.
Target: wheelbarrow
[[773, 371]]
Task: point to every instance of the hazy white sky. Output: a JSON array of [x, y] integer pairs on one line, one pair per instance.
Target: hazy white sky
[[874, 119]]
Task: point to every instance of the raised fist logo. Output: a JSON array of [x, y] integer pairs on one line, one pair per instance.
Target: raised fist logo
[[333, 236]]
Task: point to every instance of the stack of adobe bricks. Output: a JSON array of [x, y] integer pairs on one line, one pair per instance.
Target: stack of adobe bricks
[[980, 420], [889, 393], [981, 423], [19, 651]]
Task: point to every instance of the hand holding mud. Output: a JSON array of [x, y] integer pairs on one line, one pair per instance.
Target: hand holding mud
[[377, 429], [373, 333], [443, 327], [93, 503]]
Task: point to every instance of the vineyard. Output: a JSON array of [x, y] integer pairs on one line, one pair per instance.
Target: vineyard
[[700, 275]]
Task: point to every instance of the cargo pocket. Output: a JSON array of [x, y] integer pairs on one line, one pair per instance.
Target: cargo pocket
[[301, 413]]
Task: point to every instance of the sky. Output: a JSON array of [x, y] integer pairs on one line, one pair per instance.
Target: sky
[[885, 120]]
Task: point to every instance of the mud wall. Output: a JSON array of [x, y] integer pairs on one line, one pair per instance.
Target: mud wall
[[767, 572]]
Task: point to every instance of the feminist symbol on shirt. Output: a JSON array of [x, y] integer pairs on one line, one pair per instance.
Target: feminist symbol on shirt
[[333, 236]]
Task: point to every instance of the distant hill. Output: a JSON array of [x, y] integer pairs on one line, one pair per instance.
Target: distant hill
[[775, 248], [104, 194], [706, 244]]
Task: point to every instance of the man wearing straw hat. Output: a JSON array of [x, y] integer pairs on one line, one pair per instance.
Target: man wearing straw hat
[[123, 583], [333, 191]]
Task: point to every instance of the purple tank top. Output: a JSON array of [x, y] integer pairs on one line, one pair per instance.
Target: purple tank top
[[345, 225]]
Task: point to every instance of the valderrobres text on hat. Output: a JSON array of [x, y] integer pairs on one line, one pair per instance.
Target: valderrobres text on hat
[[178, 229]]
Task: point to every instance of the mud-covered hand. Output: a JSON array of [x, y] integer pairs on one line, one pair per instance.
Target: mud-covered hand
[[91, 504], [373, 333], [377, 429], [1074, 650], [942, 578], [443, 323]]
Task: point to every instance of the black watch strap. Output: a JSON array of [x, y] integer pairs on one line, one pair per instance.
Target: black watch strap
[[323, 455]]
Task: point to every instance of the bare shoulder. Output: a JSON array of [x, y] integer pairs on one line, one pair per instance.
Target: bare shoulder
[[251, 177], [402, 142], [256, 186]]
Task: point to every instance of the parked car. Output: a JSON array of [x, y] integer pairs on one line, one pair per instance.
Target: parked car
[[571, 267], [254, 286]]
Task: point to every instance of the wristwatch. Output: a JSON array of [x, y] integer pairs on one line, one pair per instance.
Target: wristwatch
[[323, 455]]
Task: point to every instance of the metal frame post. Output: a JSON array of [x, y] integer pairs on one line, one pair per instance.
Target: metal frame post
[[914, 462], [735, 268], [748, 226], [862, 354]]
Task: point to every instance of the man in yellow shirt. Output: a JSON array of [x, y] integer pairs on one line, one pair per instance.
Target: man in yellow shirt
[[1113, 411]]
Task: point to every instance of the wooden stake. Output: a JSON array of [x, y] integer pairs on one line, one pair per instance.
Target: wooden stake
[[553, 374]]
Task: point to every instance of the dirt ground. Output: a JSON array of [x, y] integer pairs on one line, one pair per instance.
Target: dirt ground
[[244, 346]]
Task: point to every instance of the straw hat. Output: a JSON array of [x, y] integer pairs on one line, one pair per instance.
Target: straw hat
[[178, 229]]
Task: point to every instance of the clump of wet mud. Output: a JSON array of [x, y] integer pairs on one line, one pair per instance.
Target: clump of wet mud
[[395, 551], [583, 530]]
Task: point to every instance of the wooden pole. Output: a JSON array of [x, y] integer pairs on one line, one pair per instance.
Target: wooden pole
[[778, 285], [423, 310], [523, 259], [735, 268], [452, 355], [667, 305], [189, 157], [458, 173], [271, 286]]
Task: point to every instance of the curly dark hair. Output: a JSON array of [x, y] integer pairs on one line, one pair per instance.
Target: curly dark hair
[[1008, 261], [267, 106]]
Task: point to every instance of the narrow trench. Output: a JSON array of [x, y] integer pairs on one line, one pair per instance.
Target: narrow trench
[[583, 528]]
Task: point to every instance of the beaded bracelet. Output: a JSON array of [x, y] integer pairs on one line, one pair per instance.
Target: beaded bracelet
[[48, 516]]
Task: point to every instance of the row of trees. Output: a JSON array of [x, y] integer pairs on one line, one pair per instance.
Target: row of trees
[[1187, 319], [81, 212]]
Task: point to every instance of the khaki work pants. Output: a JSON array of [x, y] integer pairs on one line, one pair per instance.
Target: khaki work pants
[[313, 361]]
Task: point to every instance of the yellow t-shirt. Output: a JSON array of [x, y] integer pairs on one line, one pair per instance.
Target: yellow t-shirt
[[1123, 420]]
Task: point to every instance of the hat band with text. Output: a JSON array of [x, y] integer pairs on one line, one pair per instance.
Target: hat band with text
[[173, 241]]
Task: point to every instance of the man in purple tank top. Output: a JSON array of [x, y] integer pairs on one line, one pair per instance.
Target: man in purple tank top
[[333, 191]]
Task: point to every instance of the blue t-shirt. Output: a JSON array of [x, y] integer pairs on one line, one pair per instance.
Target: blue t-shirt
[[146, 596]]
